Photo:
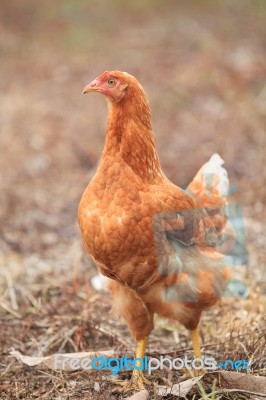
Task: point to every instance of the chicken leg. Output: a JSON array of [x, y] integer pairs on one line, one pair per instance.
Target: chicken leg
[[196, 343], [196, 348], [137, 379]]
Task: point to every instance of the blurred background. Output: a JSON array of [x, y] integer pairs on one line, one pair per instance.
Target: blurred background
[[203, 67], [202, 64]]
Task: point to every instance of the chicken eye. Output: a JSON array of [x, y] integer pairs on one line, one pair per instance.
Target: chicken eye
[[111, 81]]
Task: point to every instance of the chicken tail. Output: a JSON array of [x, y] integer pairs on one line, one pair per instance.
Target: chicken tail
[[211, 187], [211, 183]]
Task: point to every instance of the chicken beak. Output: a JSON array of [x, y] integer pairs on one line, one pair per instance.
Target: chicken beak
[[91, 87]]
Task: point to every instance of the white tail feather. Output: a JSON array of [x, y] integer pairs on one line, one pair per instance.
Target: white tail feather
[[214, 166]]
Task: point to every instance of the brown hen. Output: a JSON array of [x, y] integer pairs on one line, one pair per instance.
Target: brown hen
[[156, 242]]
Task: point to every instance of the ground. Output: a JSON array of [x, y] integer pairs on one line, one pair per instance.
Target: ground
[[203, 67]]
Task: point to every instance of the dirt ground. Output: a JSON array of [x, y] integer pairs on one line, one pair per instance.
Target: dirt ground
[[203, 67]]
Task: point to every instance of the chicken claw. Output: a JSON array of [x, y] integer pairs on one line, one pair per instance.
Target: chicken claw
[[136, 384], [197, 351], [137, 380]]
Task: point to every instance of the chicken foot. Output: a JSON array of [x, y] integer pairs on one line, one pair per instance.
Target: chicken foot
[[137, 379], [196, 348]]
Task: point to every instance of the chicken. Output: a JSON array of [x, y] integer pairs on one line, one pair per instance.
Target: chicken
[[156, 242]]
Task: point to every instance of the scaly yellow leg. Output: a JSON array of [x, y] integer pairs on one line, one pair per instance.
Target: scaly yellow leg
[[137, 379], [196, 347], [196, 343], [137, 375]]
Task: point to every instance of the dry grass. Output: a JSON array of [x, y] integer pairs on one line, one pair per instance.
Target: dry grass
[[203, 65]]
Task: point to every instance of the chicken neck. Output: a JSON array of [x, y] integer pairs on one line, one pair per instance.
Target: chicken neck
[[130, 137]]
